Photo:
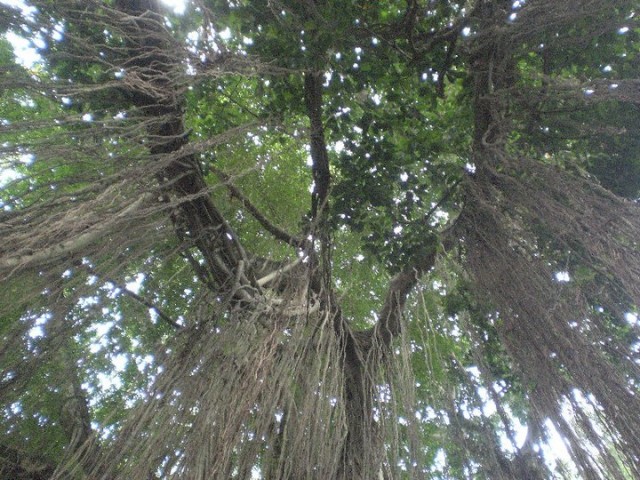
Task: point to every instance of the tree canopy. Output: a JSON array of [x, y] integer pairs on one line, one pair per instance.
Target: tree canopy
[[321, 239]]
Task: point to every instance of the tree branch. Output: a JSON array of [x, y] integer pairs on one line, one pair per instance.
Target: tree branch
[[139, 298], [276, 273], [158, 95], [273, 229], [149, 304], [319, 155], [389, 319]]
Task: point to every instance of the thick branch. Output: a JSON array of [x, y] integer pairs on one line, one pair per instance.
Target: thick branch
[[157, 94], [389, 320], [319, 155]]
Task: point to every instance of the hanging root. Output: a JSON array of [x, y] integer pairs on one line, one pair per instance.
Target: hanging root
[[523, 222]]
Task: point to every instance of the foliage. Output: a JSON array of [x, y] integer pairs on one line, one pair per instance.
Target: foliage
[[320, 239]]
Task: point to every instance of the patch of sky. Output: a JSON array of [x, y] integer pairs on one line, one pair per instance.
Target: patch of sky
[[37, 331], [109, 381], [135, 284], [178, 6], [119, 361], [24, 49], [225, 34], [8, 175]]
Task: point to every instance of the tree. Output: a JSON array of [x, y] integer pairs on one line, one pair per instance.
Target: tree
[[320, 239]]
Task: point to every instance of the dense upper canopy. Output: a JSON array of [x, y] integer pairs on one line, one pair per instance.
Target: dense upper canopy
[[317, 239]]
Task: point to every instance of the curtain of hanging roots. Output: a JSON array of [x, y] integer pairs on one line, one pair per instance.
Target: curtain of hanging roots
[[517, 218]]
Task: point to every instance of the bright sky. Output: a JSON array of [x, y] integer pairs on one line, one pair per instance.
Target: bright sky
[[177, 5]]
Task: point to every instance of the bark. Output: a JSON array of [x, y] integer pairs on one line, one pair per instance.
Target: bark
[[319, 154], [197, 220]]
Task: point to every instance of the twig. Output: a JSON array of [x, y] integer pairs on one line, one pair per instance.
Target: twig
[[139, 298], [274, 230], [148, 303]]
